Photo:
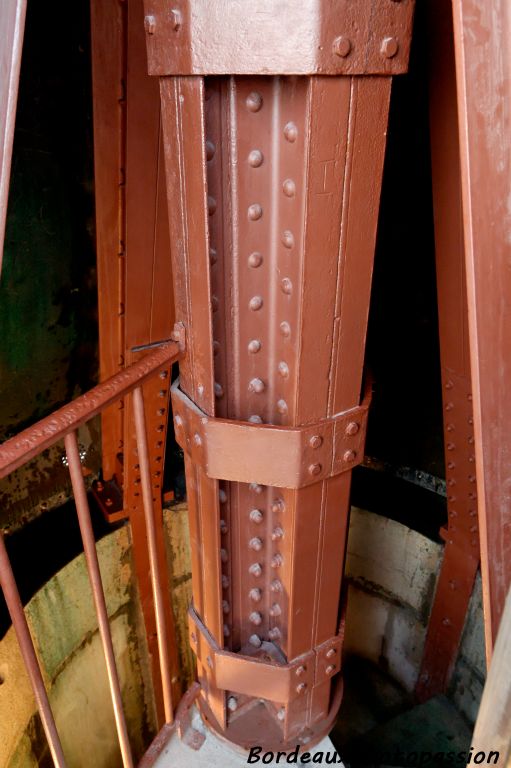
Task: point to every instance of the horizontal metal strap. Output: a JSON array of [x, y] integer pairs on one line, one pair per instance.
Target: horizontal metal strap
[[310, 37], [284, 457], [258, 678]]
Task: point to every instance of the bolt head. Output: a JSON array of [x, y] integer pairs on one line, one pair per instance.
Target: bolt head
[[342, 46], [389, 47], [352, 428], [150, 25], [299, 671], [329, 669], [301, 687], [314, 469], [349, 456], [331, 653], [316, 441], [175, 19], [232, 703], [281, 714]]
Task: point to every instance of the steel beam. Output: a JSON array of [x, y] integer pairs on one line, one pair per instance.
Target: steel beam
[[273, 191], [482, 37]]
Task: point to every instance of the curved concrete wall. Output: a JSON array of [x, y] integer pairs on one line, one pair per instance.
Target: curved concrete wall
[[392, 572]]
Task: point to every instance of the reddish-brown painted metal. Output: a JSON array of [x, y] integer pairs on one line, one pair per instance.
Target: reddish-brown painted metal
[[12, 27], [332, 37], [134, 277], [461, 555], [19, 622], [15, 452], [91, 558], [482, 36], [273, 190]]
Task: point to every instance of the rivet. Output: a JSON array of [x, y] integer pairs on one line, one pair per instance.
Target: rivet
[[254, 101], [255, 594], [449, 406], [451, 465], [211, 205], [223, 555], [471, 478], [99, 486], [256, 516], [448, 384], [255, 569], [225, 581], [288, 239], [331, 653], [255, 640], [108, 502], [349, 455], [469, 398], [219, 390], [255, 618], [276, 585], [330, 669], [341, 46], [256, 487], [256, 385], [300, 688], [277, 506], [255, 544], [254, 212], [285, 329], [178, 421], [290, 132], [275, 610], [214, 303], [276, 560], [213, 256], [316, 441], [175, 19], [255, 260], [225, 606], [446, 622], [163, 374], [274, 633], [216, 348], [281, 714], [282, 406], [451, 446], [314, 469], [227, 631], [289, 188], [255, 303], [222, 496], [450, 427], [389, 47], [277, 533], [255, 158], [210, 150], [223, 527], [254, 346], [162, 393], [197, 439], [255, 419], [150, 25], [286, 286], [283, 369], [352, 428], [232, 703], [471, 440]]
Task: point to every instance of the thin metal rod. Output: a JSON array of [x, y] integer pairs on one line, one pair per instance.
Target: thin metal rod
[[147, 498], [91, 558], [19, 622], [21, 448]]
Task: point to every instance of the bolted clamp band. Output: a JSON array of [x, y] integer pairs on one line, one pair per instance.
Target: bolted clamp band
[[252, 676], [283, 457]]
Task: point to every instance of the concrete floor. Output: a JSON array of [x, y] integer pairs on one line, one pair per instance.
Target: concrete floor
[[379, 724]]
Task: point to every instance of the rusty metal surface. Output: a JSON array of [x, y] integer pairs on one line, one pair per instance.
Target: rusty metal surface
[[285, 457], [12, 25], [271, 37], [482, 37], [268, 188], [461, 555]]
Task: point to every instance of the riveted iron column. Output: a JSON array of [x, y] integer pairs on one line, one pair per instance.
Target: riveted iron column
[[274, 141]]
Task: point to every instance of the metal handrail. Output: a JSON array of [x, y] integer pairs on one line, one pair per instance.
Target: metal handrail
[[15, 452]]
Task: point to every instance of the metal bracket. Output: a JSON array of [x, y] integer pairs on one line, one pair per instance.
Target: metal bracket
[[324, 37], [258, 678], [283, 457]]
